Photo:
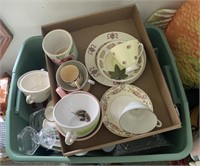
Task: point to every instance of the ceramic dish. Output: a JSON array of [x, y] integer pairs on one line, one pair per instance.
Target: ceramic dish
[[87, 136], [124, 92], [48, 112], [92, 51], [50, 103], [106, 62]]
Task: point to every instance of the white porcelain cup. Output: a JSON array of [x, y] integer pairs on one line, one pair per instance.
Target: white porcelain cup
[[136, 118], [70, 75], [83, 79], [128, 53], [35, 85], [59, 46], [66, 117]]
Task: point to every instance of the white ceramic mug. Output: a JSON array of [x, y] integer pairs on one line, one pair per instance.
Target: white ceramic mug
[[59, 46], [136, 118], [84, 80], [65, 115], [35, 85]]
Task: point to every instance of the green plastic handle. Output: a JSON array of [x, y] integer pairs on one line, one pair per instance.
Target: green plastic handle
[[172, 83]]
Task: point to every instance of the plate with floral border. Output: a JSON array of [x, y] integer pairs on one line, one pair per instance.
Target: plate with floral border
[[130, 91], [95, 46]]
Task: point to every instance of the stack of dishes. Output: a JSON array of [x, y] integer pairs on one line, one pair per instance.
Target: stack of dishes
[[117, 98], [107, 56], [49, 122], [43, 119], [99, 61]]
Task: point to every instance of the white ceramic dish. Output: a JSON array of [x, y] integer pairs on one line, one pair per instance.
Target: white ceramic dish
[[65, 116], [48, 113], [106, 62], [126, 94], [87, 136], [136, 118], [92, 51], [35, 91]]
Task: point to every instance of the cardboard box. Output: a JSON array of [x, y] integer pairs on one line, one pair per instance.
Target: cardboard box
[[84, 30]]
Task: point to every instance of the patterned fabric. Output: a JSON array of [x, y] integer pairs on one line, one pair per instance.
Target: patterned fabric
[[183, 35], [2, 134]]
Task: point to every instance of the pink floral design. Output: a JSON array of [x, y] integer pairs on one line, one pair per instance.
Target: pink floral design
[[60, 61]]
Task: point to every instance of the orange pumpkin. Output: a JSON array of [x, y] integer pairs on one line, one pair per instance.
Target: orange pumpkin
[[183, 35]]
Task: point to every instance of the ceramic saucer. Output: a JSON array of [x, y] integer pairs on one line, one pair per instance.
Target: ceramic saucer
[[50, 103], [106, 62], [92, 51], [85, 85], [48, 113], [47, 123], [126, 94]]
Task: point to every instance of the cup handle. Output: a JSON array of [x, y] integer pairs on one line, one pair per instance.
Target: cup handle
[[141, 49], [91, 82], [60, 92], [29, 99], [70, 138], [159, 123], [130, 69], [77, 84]]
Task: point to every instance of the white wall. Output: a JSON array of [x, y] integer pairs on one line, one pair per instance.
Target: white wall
[[25, 17]]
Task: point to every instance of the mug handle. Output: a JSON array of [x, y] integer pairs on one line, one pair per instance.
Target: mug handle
[[159, 123], [91, 82], [130, 69], [60, 92], [29, 99], [70, 138], [141, 49], [77, 84]]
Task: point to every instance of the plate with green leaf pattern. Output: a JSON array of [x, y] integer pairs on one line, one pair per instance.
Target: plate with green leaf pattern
[[93, 49]]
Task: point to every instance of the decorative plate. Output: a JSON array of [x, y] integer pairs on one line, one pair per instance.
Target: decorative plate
[[92, 51], [111, 94], [106, 62]]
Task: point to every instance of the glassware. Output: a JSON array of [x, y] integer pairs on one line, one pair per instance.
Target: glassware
[[29, 139], [36, 119]]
